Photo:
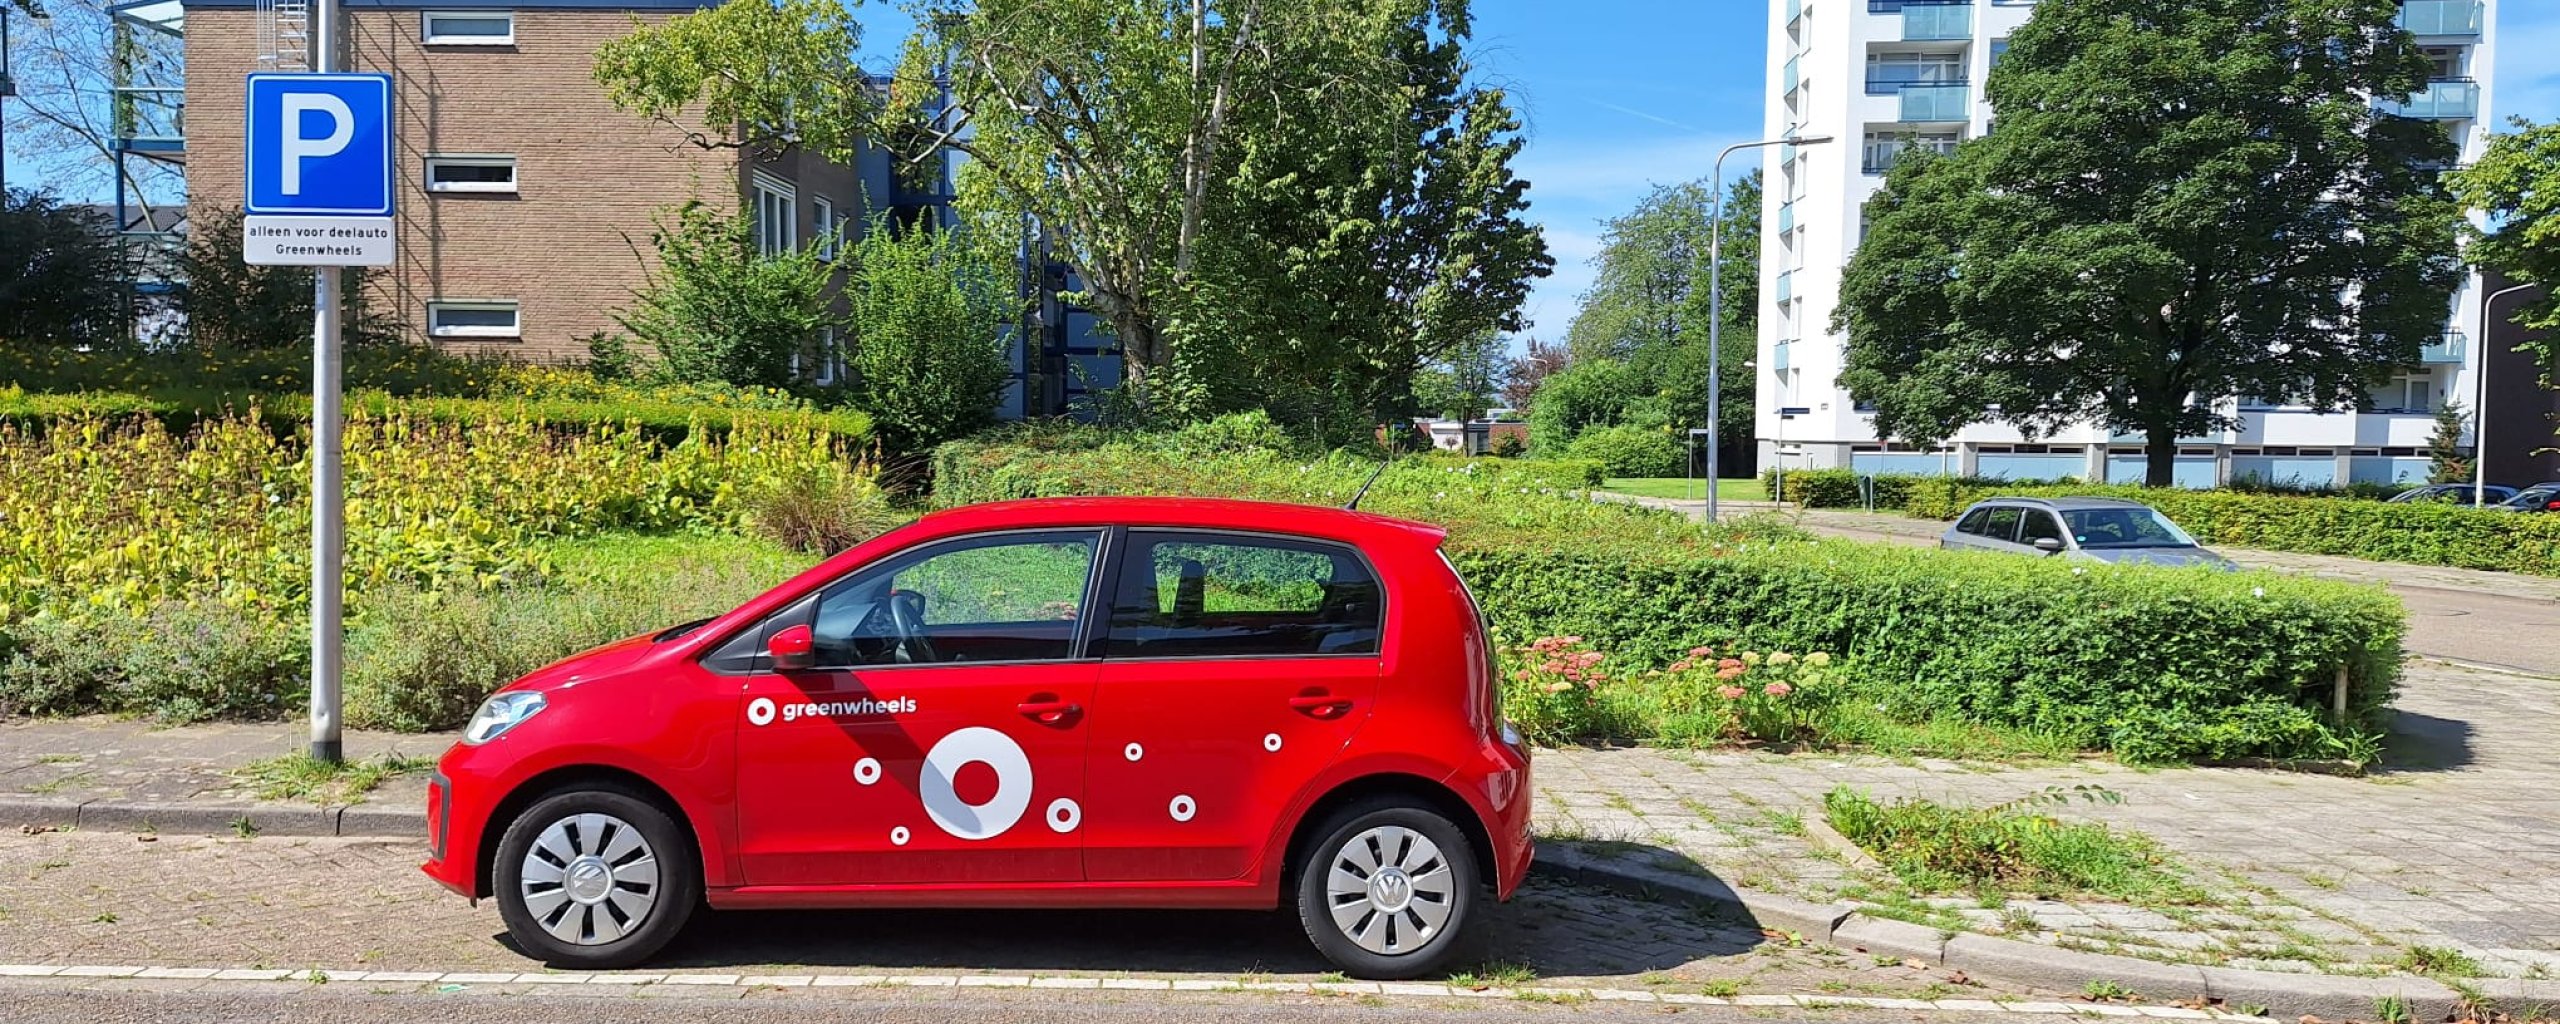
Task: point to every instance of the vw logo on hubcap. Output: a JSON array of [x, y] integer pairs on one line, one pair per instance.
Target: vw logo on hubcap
[[589, 880], [1390, 890]]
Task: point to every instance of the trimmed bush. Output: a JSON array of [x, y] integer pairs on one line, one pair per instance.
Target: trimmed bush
[[1627, 451], [2154, 664], [172, 662], [2418, 533]]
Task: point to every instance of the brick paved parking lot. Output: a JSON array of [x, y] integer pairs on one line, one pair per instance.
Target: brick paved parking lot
[[2456, 845], [353, 904]]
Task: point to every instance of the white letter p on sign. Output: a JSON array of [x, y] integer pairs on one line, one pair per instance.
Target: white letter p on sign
[[297, 146]]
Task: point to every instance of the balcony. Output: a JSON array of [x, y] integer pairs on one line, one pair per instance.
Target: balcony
[[1953, 101], [2449, 349], [1881, 156], [150, 119], [2436, 18], [2444, 99], [1791, 76], [1779, 358], [1786, 218], [1937, 21], [1795, 12], [1786, 286]]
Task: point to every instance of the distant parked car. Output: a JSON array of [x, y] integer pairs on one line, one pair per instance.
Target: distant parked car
[[2097, 529], [2452, 494], [2537, 498]]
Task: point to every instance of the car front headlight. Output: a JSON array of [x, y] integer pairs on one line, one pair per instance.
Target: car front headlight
[[499, 714]]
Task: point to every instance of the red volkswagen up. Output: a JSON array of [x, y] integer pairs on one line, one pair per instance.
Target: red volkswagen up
[[1103, 702]]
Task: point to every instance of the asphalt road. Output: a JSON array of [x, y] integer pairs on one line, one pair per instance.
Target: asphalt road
[[128, 1005]]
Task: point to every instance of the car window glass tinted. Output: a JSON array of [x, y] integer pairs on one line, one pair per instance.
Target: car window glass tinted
[[1973, 521], [2039, 525], [1002, 597], [2002, 525], [1195, 595], [2124, 528]]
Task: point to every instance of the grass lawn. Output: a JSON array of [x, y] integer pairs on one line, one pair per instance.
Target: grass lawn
[[1750, 489]]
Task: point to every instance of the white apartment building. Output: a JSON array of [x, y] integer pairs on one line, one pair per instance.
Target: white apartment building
[[1880, 75]]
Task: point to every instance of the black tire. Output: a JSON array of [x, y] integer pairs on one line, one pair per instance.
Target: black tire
[[671, 897], [1439, 945]]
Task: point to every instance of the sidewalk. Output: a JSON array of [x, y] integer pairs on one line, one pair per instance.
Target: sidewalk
[[130, 775], [2456, 847]]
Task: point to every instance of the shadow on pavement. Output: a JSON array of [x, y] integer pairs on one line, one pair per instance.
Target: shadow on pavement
[[1561, 928], [2422, 743]]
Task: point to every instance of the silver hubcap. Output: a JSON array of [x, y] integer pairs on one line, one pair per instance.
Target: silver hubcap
[[590, 879], [1390, 890]]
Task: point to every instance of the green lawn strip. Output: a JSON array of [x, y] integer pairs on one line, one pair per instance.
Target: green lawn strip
[[1687, 490]]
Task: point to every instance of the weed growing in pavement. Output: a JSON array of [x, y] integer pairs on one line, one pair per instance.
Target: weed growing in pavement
[[1936, 848], [303, 777], [244, 828], [1721, 988], [2392, 1010], [1783, 823], [2319, 881], [1558, 998], [1493, 974], [2444, 960], [108, 917], [2019, 921], [2101, 990]]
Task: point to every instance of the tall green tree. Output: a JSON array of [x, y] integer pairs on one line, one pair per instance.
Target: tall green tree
[[1651, 302], [2186, 201], [928, 313], [2518, 184], [61, 279], [749, 73]]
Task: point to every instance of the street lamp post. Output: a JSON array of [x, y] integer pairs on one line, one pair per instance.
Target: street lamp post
[[2480, 398], [1715, 304]]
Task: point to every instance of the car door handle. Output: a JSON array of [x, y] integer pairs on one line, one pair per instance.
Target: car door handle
[[1048, 712], [1320, 705]]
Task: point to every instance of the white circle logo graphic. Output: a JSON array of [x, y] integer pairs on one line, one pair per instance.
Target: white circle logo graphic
[[1182, 808], [1064, 815], [1271, 742], [760, 711], [867, 770], [898, 836], [980, 745], [1133, 752]]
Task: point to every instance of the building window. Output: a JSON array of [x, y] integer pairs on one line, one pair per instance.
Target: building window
[[2446, 62], [775, 218], [467, 28], [1888, 73], [2406, 393], [830, 230], [1882, 149], [457, 318], [1999, 49], [471, 174], [830, 358]]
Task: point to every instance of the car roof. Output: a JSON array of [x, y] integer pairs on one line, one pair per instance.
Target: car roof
[[1205, 513], [2064, 504]]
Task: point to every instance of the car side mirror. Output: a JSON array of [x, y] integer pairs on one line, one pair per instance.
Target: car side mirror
[[2049, 545], [793, 649]]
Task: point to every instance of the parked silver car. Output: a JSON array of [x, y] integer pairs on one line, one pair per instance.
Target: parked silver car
[[2098, 529]]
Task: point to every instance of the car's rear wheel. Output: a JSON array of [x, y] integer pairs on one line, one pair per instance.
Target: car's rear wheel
[[1388, 890], [595, 879]]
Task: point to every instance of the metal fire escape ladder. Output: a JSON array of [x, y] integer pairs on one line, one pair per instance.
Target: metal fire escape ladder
[[284, 35]]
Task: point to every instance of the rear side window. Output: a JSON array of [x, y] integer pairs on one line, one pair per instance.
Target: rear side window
[[1973, 521], [1208, 595], [2002, 525]]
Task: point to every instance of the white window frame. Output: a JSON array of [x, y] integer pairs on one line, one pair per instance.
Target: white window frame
[[427, 29], [435, 306], [830, 230], [768, 192], [830, 361], [507, 161]]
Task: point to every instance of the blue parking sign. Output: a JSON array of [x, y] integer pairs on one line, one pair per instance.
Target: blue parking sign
[[319, 145]]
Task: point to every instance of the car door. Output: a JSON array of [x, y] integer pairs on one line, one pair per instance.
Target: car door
[[1235, 668], [2000, 530], [940, 736], [2036, 524]]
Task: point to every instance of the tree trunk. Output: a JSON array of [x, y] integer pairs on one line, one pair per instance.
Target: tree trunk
[[2160, 455]]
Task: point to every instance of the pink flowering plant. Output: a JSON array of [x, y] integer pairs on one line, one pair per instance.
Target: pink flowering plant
[[1553, 690], [1779, 697]]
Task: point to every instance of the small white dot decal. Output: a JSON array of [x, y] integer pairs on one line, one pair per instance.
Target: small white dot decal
[[1134, 752], [898, 836], [1064, 815], [1271, 742], [867, 770], [1182, 808]]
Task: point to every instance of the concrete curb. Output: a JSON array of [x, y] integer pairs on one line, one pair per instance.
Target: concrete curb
[[2330, 997], [266, 819]]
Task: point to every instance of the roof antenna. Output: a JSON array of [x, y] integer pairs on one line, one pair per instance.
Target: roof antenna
[[1354, 504]]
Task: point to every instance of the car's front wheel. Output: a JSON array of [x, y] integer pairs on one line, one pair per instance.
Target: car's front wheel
[[595, 879], [1388, 891]]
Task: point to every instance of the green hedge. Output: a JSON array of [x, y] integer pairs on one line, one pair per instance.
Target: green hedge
[[668, 422], [2417, 533], [2154, 664]]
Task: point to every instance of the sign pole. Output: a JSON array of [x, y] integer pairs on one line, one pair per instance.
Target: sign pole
[[328, 490]]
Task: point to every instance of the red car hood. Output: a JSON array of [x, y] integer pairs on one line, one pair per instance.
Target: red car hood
[[602, 661]]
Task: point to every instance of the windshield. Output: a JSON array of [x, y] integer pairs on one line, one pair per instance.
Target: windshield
[[2535, 497], [2096, 528]]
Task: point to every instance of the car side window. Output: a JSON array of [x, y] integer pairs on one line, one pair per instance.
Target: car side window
[[2002, 524], [1000, 597], [1972, 522], [1196, 595], [2039, 525]]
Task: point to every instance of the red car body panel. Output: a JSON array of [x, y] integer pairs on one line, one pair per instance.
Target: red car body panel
[[1150, 782]]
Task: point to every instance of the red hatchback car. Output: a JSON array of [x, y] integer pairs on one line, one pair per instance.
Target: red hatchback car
[[1100, 702]]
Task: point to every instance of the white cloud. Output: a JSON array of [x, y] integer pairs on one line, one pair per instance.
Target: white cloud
[[1574, 186]]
